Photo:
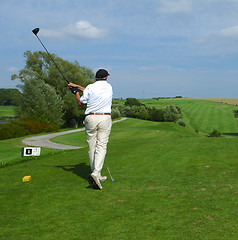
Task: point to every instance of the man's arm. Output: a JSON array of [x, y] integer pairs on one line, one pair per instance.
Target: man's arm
[[78, 99], [70, 85]]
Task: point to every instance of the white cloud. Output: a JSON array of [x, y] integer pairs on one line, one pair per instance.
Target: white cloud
[[174, 6], [12, 69], [87, 30], [83, 29], [229, 32]]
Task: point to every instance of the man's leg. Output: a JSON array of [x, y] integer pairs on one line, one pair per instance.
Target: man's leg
[[103, 132], [91, 130]]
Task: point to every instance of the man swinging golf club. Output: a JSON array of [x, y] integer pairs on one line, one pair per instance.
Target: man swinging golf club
[[98, 97]]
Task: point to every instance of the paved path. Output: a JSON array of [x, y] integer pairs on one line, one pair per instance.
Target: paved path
[[44, 140]]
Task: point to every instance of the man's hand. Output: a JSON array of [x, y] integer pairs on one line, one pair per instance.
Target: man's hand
[[72, 85], [74, 90]]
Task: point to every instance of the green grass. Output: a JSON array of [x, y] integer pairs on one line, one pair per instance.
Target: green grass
[[202, 115], [7, 111], [73, 139], [11, 152], [170, 183]]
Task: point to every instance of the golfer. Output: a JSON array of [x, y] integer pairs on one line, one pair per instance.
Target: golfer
[[98, 97]]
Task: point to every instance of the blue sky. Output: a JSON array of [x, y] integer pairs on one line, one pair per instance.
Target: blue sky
[[151, 48]]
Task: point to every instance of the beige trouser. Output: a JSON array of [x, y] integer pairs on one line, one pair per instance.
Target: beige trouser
[[98, 128]]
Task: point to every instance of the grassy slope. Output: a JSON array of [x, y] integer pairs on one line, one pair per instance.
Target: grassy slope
[[171, 184], [203, 115]]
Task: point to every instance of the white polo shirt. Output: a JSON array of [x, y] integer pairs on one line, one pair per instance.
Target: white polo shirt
[[98, 97]]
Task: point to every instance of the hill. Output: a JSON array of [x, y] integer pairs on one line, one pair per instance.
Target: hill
[[202, 115]]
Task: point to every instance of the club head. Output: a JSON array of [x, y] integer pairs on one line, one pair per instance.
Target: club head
[[35, 31]]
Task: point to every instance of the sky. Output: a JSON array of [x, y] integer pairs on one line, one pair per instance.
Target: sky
[[151, 48]]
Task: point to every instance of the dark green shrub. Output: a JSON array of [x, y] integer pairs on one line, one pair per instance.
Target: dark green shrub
[[22, 127], [131, 111], [142, 113], [156, 115], [236, 113], [214, 133], [181, 123]]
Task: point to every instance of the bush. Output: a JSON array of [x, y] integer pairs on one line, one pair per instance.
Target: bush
[[115, 113], [142, 113], [236, 113], [156, 115], [214, 133], [172, 113], [22, 127], [181, 123], [121, 108]]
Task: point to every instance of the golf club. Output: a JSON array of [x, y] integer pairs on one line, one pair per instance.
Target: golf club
[[35, 31], [110, 174]]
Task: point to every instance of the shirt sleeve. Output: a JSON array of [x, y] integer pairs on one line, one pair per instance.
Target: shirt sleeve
[[84, 98]]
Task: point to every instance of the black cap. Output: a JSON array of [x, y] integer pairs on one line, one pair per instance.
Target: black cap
[[102, 73]]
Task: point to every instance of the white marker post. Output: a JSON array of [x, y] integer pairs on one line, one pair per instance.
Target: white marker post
[[31, 151]]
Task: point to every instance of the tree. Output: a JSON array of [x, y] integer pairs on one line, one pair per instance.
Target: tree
[[40, 101], [40, 68], [8, 96], [132, 102]]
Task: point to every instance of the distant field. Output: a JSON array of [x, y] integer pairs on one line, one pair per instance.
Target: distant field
[[232, 101], [202, 115], [7, 111]]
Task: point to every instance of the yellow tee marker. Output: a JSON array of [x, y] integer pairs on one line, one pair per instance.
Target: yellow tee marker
[[26, 179]]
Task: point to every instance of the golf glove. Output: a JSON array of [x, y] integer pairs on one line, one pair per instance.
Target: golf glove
[[74, 90]]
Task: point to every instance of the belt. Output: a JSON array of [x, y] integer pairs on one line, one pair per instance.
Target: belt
[[99, 114]]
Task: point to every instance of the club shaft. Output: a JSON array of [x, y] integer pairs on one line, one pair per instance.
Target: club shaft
[[53, 60], [110, 174]]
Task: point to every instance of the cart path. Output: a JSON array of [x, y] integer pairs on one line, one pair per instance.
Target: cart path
[[44, 140]]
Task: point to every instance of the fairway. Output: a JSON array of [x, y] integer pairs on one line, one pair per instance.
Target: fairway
[[202, 115], [170, 183]]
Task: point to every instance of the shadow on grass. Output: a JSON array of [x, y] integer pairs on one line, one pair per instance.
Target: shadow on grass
[[231, 134], [82, 170]]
